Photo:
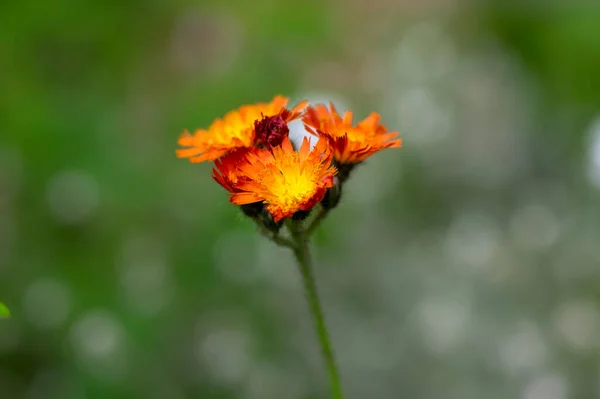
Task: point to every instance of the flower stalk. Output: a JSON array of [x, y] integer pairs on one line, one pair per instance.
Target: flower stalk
[[302, 254], [299, 243]]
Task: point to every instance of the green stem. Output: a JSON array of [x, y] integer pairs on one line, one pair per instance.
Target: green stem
[[275, 237], [317, 221], [302, 254]]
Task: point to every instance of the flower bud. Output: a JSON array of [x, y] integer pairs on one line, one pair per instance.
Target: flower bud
[[344, 170], [300, 215], [333, 195], [266, 219], [252, 210]]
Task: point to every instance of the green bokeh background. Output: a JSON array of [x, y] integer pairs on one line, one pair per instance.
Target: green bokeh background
[[129, 275]]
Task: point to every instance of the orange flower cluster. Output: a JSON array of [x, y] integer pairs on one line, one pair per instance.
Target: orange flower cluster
[[256, 162], [350, 144], [237, 129]]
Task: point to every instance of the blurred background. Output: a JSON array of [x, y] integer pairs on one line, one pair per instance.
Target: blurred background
[[464, 265]]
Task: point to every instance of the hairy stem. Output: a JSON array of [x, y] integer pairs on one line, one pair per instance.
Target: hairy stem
[[316, 221], [302, 254], [275, 237]]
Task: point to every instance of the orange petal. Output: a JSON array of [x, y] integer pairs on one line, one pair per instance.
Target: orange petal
[[188, 152], [186, 139], [243, 198]]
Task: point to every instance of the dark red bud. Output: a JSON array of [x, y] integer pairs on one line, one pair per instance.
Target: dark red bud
[[271, 130]]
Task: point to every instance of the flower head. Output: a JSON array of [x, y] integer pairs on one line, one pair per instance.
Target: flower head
[[286, 181], [248, 126], [350, 144]]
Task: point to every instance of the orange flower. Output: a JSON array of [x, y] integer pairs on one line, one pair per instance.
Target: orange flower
[[286, 181], [239, 128], [350, 144], [228, 175]]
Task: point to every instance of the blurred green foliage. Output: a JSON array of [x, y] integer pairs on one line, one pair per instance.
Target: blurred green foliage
[[559, 45], [97, 86], [4, 312]]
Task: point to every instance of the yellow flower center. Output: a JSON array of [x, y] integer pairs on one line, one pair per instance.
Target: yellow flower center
[[289, 183]]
